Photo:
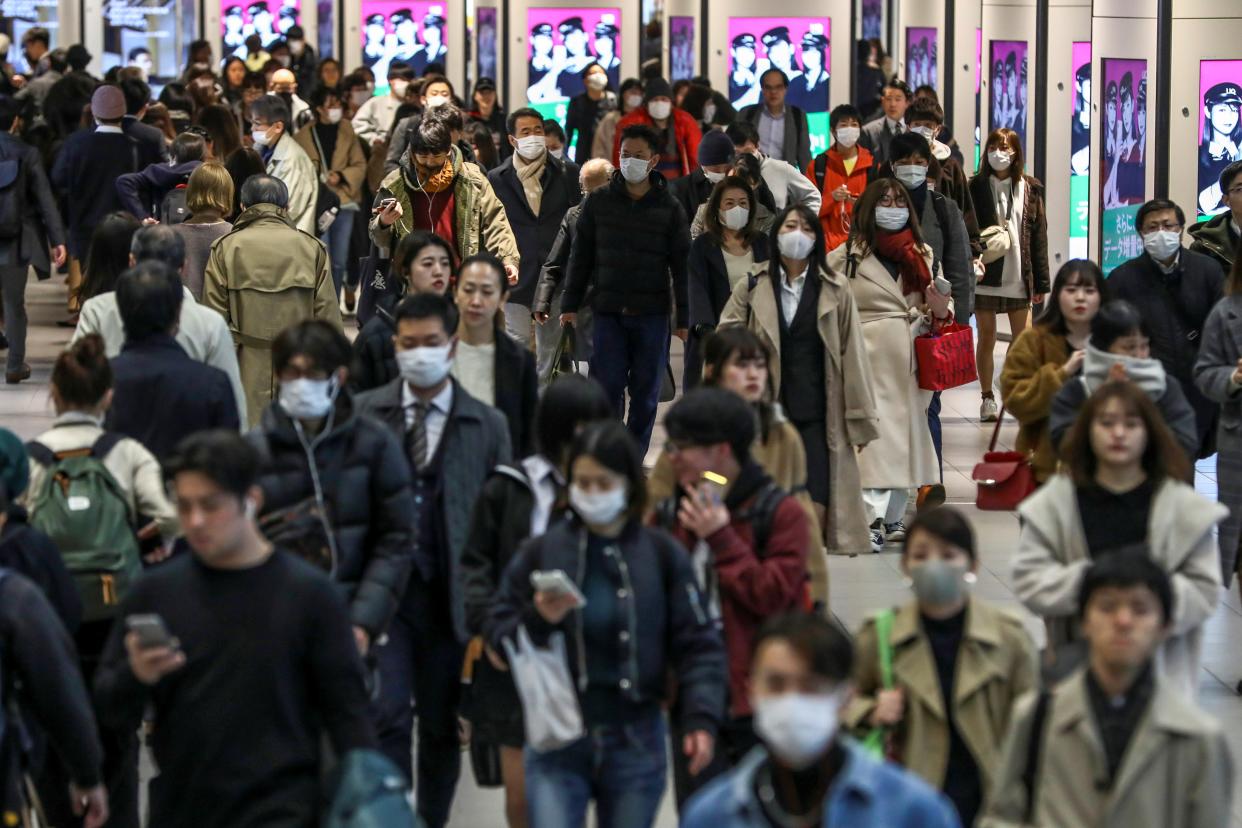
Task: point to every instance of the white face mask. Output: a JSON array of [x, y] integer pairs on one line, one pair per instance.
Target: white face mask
[[531, 147], [1163, 245], [1000, 160], [425, 367], [714, 177], [912, 175], [597, 82], [848, 136], [633, 101], [437, 100], [307, 399], [259, 136], [635, 170], [926, 132], [284, 60], [334, 115], [297, 46], [360, 97], [795, 244], [735, 218], [659, 110], [599, 508], [399, 87], [559, 154], [709, 112], [892, 218], [797, 727]]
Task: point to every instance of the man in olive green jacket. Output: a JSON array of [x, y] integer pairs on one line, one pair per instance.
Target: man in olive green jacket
[[262, 277]]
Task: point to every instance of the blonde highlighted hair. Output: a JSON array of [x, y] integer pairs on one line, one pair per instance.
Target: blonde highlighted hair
[[210, 188]]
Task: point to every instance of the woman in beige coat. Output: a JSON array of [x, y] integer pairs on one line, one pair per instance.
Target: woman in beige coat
[[889, 271], [805, 315]]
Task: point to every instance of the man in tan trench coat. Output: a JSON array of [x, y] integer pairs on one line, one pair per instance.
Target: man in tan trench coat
[[263, 277], [1119, 746]]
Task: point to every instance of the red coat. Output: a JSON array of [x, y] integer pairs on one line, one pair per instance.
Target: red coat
[[753, 588], [685, 131], [835, 216]]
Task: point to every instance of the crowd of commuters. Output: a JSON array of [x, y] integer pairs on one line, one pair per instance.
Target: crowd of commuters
[[272, 547]]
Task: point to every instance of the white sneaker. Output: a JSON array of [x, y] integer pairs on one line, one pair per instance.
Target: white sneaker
[[988, 412], [877, 537]]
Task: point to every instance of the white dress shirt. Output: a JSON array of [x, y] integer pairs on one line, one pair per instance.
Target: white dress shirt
[[438, 408], [791, 296], [545, 481]]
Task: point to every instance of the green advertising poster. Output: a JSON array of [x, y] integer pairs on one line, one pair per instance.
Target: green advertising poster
[[1120, 242]]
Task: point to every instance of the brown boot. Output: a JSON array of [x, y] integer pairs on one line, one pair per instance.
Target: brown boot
[[14, 377]]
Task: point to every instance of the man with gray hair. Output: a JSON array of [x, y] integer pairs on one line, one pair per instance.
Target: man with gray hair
[[272, 129], [201, 333], [263, 277]]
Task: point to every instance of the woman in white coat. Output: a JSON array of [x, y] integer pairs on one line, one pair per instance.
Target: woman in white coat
[[1121, 494], [889, 271]]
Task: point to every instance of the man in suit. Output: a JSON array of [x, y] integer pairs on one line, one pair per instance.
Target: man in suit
[[536, 190], [783, 130], [878, 134], [452, 443], [160, 395]]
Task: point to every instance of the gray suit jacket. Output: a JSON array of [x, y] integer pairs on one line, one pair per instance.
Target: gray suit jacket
[[797, 144], [475, 441], [876, 137]]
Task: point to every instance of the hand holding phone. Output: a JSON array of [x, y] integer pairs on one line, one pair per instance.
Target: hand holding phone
[[153, 651], [555, 582]]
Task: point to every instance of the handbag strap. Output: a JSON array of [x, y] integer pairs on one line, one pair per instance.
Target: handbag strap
[[1000, 418]]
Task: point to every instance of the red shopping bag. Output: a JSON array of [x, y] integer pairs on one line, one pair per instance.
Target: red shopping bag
[[946, 356]]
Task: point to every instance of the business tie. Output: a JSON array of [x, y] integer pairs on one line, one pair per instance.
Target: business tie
[[416, 437]]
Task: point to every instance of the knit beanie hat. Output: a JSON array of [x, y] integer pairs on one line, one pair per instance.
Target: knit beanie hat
[[715, 148], [657, 88]]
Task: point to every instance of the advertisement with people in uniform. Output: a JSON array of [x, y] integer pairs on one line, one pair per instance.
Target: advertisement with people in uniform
[[799, 47], [269, 19], [1220, 129], [148, 35], [485, 41], [1123, 172], [681, 48], [1008, 78], [921, 57], [1080, 149], [563, 43], [411, 31]]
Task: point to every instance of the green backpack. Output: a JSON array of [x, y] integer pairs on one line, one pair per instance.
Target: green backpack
[[82, 508]]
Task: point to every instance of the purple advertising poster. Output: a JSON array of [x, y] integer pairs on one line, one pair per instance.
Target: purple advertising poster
[[871, 20], [485, 41], [410, 31], [1008, 78], [1220, 129], [1123, 172], [563, 42], [1080, 149], [269, 19], [681, 48], [921, 57]]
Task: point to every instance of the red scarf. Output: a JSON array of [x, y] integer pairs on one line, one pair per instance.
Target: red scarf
[[900, 247]]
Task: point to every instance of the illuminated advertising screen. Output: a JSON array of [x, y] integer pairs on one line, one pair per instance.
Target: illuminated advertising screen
[[1220, 130], [1123, 171], [1080, 149], [269, 19], [798, 46], [409, 31], [921, 57], [19, 16], [1007, 102], [681, 48], [871, 20], [485, 41], [148, 34], [563, 43]]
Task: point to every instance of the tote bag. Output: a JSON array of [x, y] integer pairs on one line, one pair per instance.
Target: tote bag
[[549, 702]]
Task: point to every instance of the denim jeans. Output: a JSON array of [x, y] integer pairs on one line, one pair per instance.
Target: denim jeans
[[631, 354], [337, 241], [621, 767]]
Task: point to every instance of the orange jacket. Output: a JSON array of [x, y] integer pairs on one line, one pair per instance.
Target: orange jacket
[[835, 215], [685, 130]]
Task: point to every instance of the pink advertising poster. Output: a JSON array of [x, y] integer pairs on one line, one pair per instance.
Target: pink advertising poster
[[401, 30], [681, 48], [563, 43], [1123, 173], [798, 46], [921, 57], [1080, 148], [1008, 90], [1220, 129], [269, 19]]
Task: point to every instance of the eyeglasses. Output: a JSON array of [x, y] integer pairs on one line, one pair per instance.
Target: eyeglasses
[[891, 200]]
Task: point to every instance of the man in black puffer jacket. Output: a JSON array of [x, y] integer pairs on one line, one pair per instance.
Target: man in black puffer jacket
[[315, 445], [632, 235]]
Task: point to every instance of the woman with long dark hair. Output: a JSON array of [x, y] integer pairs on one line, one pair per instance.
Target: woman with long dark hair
[[222, 129], [108, 256]]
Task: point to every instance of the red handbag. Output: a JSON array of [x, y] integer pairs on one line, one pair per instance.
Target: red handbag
[[946, 356], [1004, 479]]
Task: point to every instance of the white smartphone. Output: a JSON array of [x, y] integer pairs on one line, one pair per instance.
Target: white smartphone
[[555, 581], [152, 632]]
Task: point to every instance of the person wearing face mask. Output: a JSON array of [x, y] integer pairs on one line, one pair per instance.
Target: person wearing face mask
[[488, 111], [1048, 355], [806, 315], [784, 182], [628, 99], [716, 157], [452, 442], [337, 155], [841, 173], [746, 167], [1122, 485], [643, 622], [632, 246], [806, 772], [1120, 348], [263, 277], [1174, 290], [536, 190], [373, 120], [1009, 206], [586, 110], [302, 61], [729, 252], [518, 502], [946, 174], [285, 159], [677, 132], [950, 737]]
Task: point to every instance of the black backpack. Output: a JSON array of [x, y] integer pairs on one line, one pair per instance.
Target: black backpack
[[173, 209], [12, 197]]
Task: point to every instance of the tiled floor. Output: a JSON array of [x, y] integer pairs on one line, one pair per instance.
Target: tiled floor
[[859, 585]]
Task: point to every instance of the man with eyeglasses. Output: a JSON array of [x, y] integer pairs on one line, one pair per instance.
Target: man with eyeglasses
[[1220, 236], [878, 134], [783, 130], [1174, 289]]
